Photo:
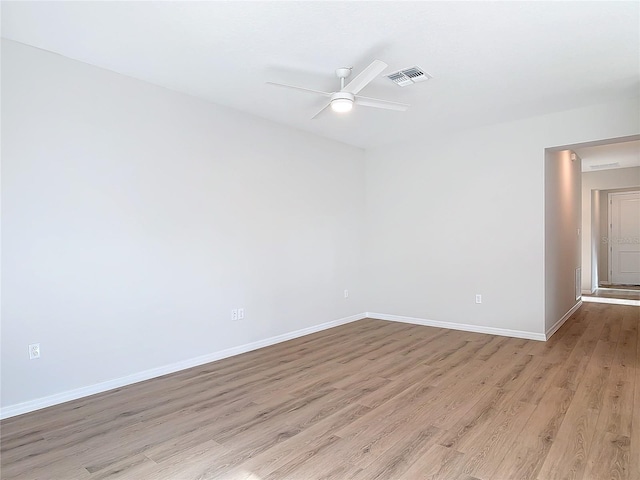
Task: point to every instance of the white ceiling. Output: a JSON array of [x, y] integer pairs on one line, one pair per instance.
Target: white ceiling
[[602, 157], [491, 61]]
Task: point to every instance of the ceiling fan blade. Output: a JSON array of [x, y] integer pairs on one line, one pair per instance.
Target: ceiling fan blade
[[308, 90], [377, 103], [365, 77], [321, 110]]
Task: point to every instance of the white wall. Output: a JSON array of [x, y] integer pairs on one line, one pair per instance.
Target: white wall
[[596, 182], [451, 217], [562, 234], [135, 218], [595, 252]]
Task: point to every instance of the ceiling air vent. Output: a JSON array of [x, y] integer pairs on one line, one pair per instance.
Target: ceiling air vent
[[408, 76]]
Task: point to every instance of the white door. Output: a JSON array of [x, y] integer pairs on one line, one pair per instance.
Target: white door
[[624, 238]]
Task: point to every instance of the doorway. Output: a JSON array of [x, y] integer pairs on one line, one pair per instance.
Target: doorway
[[624, 238], [610, 169]]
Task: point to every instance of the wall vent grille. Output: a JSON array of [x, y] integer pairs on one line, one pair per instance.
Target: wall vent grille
[[604, 165]]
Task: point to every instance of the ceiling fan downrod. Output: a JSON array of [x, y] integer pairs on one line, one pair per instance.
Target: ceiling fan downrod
[[343, 73]]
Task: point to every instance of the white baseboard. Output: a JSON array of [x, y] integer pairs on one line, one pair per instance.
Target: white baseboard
[[589, 292], [37, 404], [612, 301], [564, 318], [459, 326]]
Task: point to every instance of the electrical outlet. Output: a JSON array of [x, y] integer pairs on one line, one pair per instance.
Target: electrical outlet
[[240, 313], [346, 294], [34, 351], [234, 314], [478, 298]]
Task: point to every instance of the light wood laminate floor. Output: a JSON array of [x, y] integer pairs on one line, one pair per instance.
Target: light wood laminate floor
[[367, 400]]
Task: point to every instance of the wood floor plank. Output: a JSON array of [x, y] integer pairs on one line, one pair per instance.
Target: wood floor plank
[[192, 463], [526, 453], [306, 460], [539, 382], [617, 412], [624, 360], [175, 446], [610, 458], [265, 463], [569, 450], [438, 463], [472, 427], [370, 399], [61, 468], [483, 458], [597, 375], [129, 468], [367, 438], [396, 461]]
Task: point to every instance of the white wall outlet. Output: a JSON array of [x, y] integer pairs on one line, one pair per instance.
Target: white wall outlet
[[34, 351], [478, 298], [234, 314], [346, 294], [240, 313]]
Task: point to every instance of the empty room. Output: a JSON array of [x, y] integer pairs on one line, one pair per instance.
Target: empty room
[[320, 240]]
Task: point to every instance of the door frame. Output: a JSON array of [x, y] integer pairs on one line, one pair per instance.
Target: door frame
[[610, 232]]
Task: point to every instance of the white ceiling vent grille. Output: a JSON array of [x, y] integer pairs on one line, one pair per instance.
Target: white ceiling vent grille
[[408, 76]]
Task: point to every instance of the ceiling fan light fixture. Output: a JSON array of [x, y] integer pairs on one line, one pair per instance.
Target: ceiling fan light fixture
[[341, 105], [342, 101]]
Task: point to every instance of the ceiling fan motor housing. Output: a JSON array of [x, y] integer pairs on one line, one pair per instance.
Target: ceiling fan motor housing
[[343, 72], [344, 95]]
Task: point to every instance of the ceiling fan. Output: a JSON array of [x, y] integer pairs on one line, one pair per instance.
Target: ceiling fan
[[344, 99]]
